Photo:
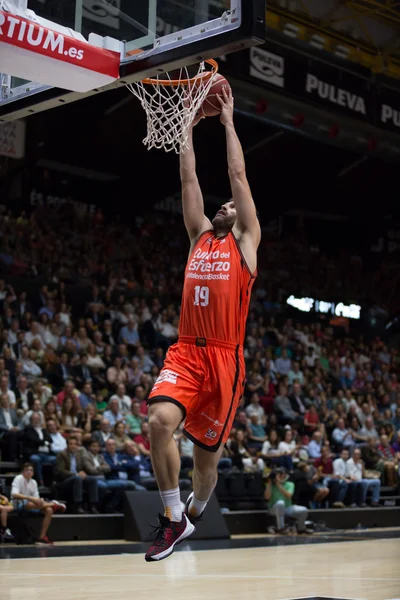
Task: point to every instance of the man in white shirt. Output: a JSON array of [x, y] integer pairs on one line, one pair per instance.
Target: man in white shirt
[[355, 470], [124, 401], [354, 488], [59, 443], [25, 497]]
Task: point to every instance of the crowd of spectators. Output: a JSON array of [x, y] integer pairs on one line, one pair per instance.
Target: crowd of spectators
[[74, 380]]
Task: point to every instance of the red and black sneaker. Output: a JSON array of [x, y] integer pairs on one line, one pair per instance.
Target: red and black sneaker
[[192, 519], [169, 534], [44, 541], [59, 506]]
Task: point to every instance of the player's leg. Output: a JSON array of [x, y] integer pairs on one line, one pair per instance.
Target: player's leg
[[164, 419], [209, 421], [204, 478]]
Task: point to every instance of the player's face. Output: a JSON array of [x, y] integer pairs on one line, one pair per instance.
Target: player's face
[[225, 218]]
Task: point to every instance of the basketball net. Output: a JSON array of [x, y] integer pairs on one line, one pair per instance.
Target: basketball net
[[172, 104]]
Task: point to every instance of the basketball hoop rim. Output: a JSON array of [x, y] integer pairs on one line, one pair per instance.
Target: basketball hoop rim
[[189, 81]]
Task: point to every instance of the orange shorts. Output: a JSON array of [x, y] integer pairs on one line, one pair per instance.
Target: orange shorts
[[205, 378]]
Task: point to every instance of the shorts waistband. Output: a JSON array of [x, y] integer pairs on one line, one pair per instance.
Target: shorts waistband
[[202, 342]]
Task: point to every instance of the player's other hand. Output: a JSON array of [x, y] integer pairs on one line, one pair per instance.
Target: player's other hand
[[226, 101]]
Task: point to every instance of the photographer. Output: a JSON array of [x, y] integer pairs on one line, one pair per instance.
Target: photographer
[[278, 494]]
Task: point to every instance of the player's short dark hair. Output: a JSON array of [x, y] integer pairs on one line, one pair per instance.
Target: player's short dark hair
[[27, 465]]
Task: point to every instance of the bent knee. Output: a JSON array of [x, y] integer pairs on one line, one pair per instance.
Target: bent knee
[[164, 417]]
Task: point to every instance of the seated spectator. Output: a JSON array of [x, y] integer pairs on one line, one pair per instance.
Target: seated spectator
[[311, 420], [254, 408], [340, 470], [89, 421], [94, 360], [134, 420], [37, 446], [298, 401], [283, 408], [6, 507], [355, 429], [272, 454], [124, 401], [68, 391], [143, 440], [58, 441], [95, 465], [41, 392], [29, 367], [103, 433], [390, 460], [295, 375], [9, 429], [113, 414], [129, 334], [343, 437], [25, 497], [82, 372], [52, 411], [36, 409], [86, 396], [241, 422], [117, 373], [72, 479], [256, 435], [122, 469], [278, 493], [288, 445], [241, 457], [315, 446], [69, 416], [119, 436], [283, 364], [139, 467], [368, 430], [62, 371], [338, 487], [23, 395], [356, 472], [308, 490], [101, 402], [6, 391]]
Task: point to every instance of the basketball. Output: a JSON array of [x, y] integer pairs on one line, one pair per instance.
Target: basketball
[[211, 106]]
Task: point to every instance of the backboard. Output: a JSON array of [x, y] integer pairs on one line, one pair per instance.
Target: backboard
[[158, 35]]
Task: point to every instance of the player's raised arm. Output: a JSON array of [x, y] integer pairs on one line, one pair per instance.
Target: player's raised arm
[[192, 199], [247, 221]]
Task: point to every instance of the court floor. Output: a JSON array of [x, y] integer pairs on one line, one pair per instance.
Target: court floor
[[368, 569]]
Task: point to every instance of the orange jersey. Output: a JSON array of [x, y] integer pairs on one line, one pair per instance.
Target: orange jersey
[[217, 289]]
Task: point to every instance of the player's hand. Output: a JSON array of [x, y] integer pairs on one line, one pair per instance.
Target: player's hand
[[226, 101]]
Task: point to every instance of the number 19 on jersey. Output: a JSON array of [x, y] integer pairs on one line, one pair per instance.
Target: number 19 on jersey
[[201, 295]]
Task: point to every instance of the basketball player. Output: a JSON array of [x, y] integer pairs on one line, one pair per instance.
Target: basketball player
[[203, 375]]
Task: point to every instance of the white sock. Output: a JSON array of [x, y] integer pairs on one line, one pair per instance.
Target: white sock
[[172, 504], [196, 506]]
